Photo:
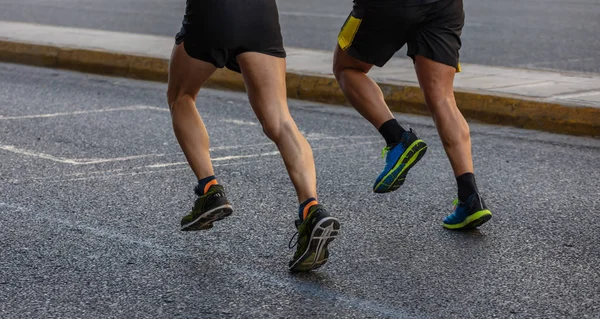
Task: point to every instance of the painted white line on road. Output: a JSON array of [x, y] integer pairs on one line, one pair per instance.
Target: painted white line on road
[[15, 150], [116, 159], [92, 161], [126, 108], [234, 157], [64, 160], [239, 122], [110, 176], [218, 148], [217, 159], [119, 172], [317, 137]]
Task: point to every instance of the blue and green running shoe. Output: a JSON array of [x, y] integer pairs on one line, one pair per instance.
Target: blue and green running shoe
[[399, 159], [468, 215]]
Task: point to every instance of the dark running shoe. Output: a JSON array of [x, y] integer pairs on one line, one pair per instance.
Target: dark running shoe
[[207, 209], [314, 235]]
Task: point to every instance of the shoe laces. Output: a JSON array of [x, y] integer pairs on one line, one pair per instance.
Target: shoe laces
[[384, 151], [455, 203], [290, 245], [297, 223]]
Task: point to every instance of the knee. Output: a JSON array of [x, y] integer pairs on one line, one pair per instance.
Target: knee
[[275, 129], [175, 98], [343, 63], [340, 69]]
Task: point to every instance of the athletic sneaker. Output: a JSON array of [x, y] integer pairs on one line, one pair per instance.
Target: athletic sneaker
[[207, 209], [314, 235], [469, 214], [399, 160]]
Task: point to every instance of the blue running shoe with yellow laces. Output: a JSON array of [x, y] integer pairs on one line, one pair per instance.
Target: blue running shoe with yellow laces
[[399, 160], [468, 215]]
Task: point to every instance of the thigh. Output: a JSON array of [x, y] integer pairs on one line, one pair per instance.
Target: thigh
[[436, 80], [186, 74], [264, 76], [342, 60]]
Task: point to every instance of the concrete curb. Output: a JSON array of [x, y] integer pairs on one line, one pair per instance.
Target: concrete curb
[[483, 107]]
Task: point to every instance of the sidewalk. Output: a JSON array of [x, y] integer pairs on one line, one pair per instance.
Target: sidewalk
[[558, 102]]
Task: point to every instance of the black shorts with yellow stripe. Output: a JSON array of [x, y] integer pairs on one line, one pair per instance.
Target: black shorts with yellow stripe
[[376, 30]]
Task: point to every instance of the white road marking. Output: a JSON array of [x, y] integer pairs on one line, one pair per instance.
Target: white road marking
[[110, 176], [239, 122], [217, 159], [104, 174], [125, 108], [239, 146], [65, 160], [91, 161]]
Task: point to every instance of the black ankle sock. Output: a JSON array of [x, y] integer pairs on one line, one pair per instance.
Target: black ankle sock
[[200, 188], [391, 132], [466, 186], [303, 205]]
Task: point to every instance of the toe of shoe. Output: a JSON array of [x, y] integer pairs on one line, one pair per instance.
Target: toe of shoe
[[451, 219]]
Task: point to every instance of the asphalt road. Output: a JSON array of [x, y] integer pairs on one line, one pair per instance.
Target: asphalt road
[[539, 34], [92, 186]]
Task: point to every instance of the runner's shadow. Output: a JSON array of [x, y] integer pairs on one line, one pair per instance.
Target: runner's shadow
[[312, 279], [469, 233], [311, 276], [469, 242], [313, 283]]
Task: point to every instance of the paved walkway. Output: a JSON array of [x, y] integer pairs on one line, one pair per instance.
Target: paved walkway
[[557, 87], [559, 102]]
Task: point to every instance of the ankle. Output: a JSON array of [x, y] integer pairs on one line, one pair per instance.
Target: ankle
[[392, 132], [467, 186], [305, 207], [204, 185]]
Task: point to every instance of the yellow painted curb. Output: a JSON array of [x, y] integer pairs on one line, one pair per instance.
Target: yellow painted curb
[[493, 109]]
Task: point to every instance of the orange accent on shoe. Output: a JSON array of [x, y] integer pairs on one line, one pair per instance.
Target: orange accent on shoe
[[307, 207], [209, 184]]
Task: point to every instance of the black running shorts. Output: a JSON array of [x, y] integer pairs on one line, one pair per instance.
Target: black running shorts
[[217, 31], [376, 30]]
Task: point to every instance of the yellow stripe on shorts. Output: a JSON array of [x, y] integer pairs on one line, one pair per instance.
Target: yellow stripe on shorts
[[348, 32], [458, 68]]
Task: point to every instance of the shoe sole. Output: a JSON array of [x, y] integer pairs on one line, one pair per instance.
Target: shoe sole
[[205, 221], [473, 221], [324, 232], [412, 156]]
